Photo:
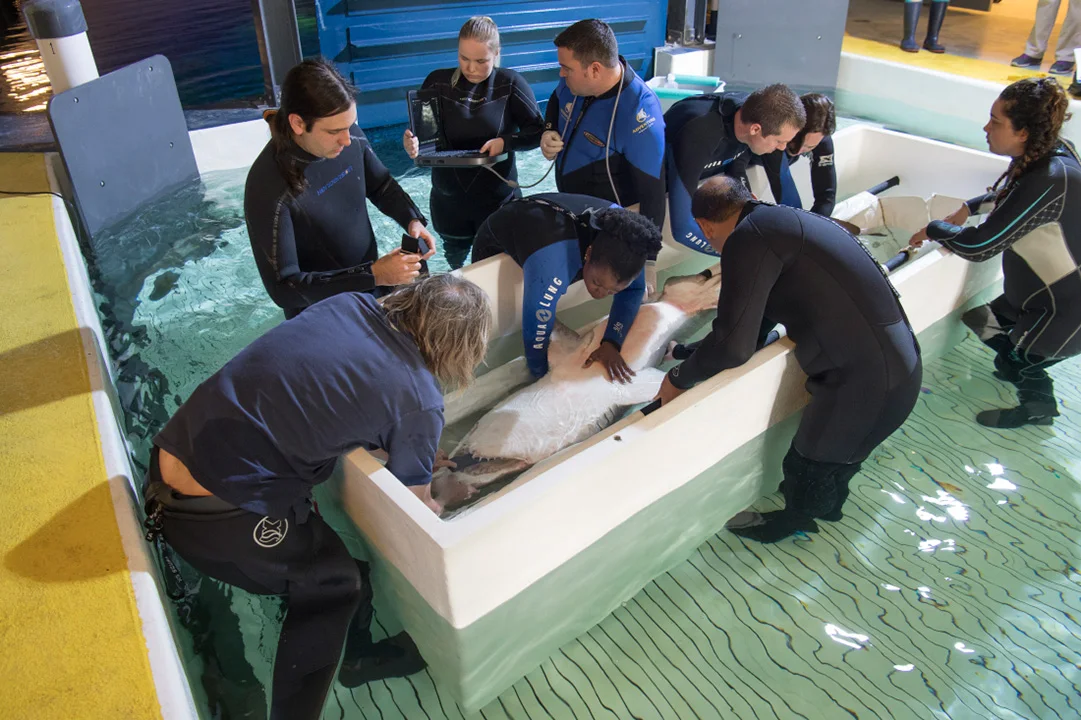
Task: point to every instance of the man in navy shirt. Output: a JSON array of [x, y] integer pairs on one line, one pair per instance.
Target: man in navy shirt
[[231, 474]]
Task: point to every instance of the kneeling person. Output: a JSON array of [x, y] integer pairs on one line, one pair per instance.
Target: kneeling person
[[852, 339], [231, 474], [559, 238]]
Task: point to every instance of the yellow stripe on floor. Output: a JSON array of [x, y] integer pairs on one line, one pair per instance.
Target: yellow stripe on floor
[[71, 643], [999, 73]]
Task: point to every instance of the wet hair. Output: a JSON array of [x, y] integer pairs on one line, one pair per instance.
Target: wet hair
[[591, 41], [1039, 106], [773, 107], [719, 198], [624, 242], [482, 29], [313, 89], [821, 118], [450, 319]]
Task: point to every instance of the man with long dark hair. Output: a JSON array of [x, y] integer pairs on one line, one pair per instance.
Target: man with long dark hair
[[304, 201]]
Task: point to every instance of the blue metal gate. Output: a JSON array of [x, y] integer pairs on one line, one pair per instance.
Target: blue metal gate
[[387, 47]]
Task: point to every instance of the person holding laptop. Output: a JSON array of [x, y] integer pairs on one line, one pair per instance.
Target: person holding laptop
[[485, 108], [305, 198]]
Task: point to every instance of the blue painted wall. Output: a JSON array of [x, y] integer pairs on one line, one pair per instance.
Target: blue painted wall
[[387, 47]]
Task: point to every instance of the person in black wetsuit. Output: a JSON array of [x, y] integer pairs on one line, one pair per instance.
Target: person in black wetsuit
[[1035, 224], [604, 127], [851, 335], [704, 132], [483, 107], [814, 141], [304, 200], [231, 474], [559, 238]]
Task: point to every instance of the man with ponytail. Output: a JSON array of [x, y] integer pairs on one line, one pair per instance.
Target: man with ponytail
[[1035, 224], [304, 201]]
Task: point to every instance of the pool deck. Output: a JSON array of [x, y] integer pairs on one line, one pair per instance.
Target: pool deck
[[72, 634]]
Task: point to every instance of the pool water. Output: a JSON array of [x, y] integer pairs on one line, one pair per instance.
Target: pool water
[[950, 589]]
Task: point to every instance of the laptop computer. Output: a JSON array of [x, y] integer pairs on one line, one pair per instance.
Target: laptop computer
[[426, 122]]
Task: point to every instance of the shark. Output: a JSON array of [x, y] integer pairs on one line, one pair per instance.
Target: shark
[[571, 402]]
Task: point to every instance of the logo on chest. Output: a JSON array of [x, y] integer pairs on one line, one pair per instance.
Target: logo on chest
[[593, 138]]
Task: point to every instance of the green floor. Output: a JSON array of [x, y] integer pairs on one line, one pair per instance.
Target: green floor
[[950, 590]]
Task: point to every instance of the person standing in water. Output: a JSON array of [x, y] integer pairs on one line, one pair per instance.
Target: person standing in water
[[705, 132], [560, 238], [852, 339], [815, 142], [231, 474], [483, 107], [1035, 225], [304, 200]]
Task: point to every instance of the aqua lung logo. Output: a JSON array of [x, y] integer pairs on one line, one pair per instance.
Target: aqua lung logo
[[545, 312], [269, 532]]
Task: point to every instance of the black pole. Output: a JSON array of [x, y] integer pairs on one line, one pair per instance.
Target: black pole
[[279, 43]]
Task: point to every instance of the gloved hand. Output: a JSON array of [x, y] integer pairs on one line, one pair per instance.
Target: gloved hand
[[551, 144]]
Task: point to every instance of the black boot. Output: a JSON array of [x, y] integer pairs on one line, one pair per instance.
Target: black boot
[[841, 479], [1036, 402], [809, 492], [912, 16], [390, 658], [934, 24]]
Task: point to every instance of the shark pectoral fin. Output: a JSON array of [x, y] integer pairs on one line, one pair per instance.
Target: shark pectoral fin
[[642, 388]]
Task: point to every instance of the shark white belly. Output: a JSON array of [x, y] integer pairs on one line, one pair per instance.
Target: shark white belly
[[571, 402]]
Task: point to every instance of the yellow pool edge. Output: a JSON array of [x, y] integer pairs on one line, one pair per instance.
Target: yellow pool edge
[[72, 633], [972, 68]]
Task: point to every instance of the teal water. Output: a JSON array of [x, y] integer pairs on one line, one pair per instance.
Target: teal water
[[950, 589]]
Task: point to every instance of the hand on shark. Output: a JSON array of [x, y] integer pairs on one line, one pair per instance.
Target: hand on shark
[[610, 358]]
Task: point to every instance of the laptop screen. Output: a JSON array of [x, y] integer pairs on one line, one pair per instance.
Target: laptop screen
[[425, 113]]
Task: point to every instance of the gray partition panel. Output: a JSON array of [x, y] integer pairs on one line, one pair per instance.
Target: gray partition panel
[[767, 41], [123, 140]]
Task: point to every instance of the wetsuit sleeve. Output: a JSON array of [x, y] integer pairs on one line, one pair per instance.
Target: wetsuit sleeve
[[411, 445], [385, 192], [771, 163], [643, 149], [546, 276], [270, 229], [1026, 207], [624, 310], [981, 204], [824, 178], [749, 269], [526, 117], [686, 157]]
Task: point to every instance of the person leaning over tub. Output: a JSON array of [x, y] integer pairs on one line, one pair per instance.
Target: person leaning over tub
[[231, 474], [304, 200], [814, 141], [483, 107], [559, 238], [1035, 224], [705, 132], [852, 340]]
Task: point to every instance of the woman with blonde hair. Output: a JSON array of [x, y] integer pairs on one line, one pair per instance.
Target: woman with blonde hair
[[1035, 225], [231, 474], [486, 108]]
